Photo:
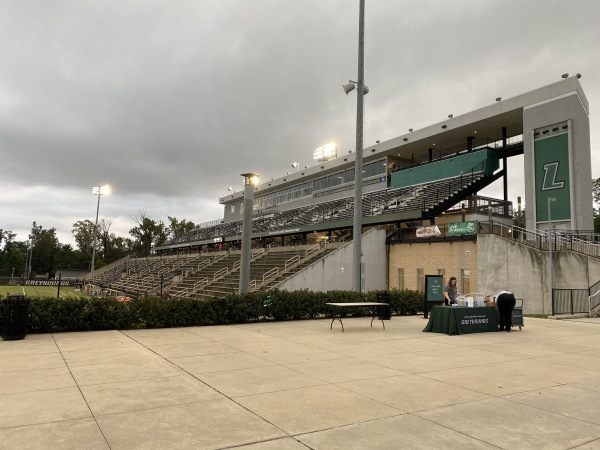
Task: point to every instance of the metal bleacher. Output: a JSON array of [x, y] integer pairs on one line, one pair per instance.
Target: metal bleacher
[[422, 201]]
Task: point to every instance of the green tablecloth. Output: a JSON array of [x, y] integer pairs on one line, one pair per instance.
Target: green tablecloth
[[462, 320]]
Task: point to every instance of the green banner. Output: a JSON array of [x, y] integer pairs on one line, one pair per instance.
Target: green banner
[[460, 228], [461, 320], [551, 156]]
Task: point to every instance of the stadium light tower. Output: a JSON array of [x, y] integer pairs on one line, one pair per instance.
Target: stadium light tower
[[99, 191], [358, 162], [250, 180]]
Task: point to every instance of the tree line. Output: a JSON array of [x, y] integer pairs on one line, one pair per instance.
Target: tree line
[[45, 254]]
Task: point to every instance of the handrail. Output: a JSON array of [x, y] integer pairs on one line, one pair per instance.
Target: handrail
[[252, 284], [219, 255], [236, 264], [311, 250], [224, 271], [200, 282], [590, 302], [271, 272], [255, 253], [292, 260]]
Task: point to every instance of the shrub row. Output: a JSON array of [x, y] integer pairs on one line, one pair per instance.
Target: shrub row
[[49, 315]]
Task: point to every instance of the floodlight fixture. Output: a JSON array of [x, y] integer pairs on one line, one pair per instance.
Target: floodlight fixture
[[326, 152], [578, 75], [450, 116], [250, 179], [410, 130], [101, 190], [498, 99], [565, 75]]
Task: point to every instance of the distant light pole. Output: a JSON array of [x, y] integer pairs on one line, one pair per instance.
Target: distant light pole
[[358, 163], [550, 200], [99, 191], [250, 180], [30, 252]]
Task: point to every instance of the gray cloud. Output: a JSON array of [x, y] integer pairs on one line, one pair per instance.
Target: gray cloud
[[170, 101]]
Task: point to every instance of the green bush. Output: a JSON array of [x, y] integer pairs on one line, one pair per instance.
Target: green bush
[[49, 315]]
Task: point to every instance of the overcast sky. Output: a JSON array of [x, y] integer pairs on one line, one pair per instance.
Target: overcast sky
[[169, 101]]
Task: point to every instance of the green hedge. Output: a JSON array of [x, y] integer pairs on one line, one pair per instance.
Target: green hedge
[[49, 315]]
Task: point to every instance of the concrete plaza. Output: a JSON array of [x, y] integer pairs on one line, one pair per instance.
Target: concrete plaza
[[299, 385]]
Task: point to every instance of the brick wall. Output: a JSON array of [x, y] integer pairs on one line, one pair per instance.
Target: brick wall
[[448, 256]]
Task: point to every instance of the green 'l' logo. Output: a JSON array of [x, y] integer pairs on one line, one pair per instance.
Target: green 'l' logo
[[550, 182]]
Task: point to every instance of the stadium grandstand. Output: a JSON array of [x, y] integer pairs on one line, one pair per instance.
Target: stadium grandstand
[[422, 214]]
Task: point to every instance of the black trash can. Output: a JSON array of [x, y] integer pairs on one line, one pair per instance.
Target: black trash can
[[384, 312], [15, 314]]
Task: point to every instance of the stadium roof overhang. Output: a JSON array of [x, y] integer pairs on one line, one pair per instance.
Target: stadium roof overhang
[[484, 123]]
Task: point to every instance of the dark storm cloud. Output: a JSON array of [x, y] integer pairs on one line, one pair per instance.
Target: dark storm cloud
[[170, 101]]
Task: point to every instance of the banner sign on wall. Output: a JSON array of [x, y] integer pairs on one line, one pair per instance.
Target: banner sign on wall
[[551, 165], [460, 228], [430, 231]]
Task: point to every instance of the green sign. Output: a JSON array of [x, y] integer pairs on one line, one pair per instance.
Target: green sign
[[459, 228], [434, 288], [551, 156]]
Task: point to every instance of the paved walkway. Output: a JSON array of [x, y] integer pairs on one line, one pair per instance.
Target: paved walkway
[[298, 385]]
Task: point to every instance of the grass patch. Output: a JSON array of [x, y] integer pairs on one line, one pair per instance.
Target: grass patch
[[42, 291]]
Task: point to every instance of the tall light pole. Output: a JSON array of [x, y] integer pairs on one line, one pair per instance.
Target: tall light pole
[[358, 163], [550, 200], [99, 191], [250, 180]]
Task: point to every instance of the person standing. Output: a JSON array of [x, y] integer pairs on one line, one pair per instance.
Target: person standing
[[450, 292], [505, 301]]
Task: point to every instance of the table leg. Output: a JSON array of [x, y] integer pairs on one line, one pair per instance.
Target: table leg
[[374, 312], [336, 318]]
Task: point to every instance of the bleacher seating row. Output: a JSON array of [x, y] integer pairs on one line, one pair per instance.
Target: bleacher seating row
[[424, 197], [206, 275]]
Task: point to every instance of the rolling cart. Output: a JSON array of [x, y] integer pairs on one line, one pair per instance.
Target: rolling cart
[[517, 315]]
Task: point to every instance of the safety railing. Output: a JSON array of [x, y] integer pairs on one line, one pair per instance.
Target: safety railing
[[270, 273], [293, 260], [570, 301], [590, 307]]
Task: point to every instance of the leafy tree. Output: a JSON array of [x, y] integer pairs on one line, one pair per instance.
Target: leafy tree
[[12, 254], [83, 232], [45, 247], [179, 228], [117, 247], [144, 232], [161, 234], [516, 218]]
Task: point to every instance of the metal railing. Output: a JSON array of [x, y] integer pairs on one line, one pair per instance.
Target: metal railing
[[220, 273], [590, 307], [570, 301], [311, 250], [294, 259], [270, 273]]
